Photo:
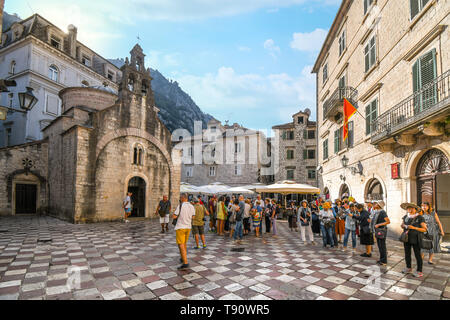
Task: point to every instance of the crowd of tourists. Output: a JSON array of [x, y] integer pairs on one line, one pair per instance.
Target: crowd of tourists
[[335, 223]]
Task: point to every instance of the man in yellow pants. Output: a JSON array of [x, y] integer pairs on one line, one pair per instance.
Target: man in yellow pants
[[184, 214]]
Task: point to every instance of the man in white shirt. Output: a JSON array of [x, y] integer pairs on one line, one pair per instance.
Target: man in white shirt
[[184, 214], [261, 203]]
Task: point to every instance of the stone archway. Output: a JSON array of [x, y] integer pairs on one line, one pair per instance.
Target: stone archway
[[344, 190], [137, 186], [433, 180], [326, 193], [374, 190]]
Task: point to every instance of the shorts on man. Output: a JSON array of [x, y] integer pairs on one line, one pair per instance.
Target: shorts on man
[[182, 235]]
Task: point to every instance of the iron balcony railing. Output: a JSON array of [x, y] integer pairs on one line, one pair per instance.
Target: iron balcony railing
[[336, 100], [432, 98]]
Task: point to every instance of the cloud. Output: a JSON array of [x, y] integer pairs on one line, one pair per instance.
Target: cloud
[[158, 60], [275, 10], [270, 46], [238, 97], [244, 49], [309, 42]]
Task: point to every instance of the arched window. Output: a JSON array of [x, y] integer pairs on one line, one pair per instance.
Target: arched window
[[144, 87], [138, 155], [85, 83], [374, 190], [53, 73], [13, 67], [130, 83]]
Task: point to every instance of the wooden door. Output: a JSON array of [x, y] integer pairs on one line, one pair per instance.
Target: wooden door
[[26, 195]]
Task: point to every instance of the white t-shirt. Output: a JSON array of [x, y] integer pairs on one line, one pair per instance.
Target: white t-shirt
[[185, 217], [247, 211], [262, 204], [128, 206]]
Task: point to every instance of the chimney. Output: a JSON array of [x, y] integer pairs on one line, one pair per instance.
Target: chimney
[[72, 40]]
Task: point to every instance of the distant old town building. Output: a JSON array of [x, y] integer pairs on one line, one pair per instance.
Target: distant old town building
[[390, 59], [101, 146], [37, 54], [297, 149], [229, 154]]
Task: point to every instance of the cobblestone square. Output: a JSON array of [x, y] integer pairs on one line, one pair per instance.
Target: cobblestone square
[[44, 258]]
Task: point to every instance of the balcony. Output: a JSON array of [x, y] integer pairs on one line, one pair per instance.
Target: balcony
[[333, 106], [425, 111]]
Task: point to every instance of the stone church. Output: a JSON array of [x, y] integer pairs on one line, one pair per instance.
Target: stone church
[[101, 146]]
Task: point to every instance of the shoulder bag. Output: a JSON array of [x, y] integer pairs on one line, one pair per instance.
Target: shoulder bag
[[425, 241], [174, 221], [380, 233]]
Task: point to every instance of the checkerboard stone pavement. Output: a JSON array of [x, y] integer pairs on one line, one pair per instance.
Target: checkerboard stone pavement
[[48, 259]]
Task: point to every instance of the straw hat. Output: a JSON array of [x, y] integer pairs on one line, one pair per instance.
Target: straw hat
[[380, 203], [406, 205], [326, 205]]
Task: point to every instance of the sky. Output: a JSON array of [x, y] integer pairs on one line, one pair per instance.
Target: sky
[[244, 61]]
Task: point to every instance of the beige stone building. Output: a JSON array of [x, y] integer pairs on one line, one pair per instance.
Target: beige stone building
[[229, 154], [102, 146], [391, 60], [297, 149]]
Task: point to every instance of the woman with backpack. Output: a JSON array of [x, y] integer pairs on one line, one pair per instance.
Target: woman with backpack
[[413, 225]]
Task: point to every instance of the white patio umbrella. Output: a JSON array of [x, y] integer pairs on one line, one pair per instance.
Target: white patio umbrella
[[288, 187], [214, 188], [188, 188], [237, 190]]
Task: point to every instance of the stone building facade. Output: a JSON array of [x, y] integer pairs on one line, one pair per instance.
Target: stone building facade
[[102, 146], [37, 54], [390, 59], [229, 154], [297, 149]]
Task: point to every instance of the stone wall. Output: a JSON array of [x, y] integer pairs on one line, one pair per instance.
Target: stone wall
[[399, 43], [12, 171]]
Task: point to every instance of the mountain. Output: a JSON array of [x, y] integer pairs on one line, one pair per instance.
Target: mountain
[[177, 109], [9, 19]]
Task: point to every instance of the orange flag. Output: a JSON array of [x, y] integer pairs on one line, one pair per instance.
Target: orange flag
[[349, 111]]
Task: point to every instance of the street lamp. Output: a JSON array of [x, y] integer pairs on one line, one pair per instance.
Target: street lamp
[[344, 161], [27, 100]]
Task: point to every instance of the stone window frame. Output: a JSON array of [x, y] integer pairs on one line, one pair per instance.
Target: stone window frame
[[288, 176], [325, 73], [52, 71], [86, 57], [288, 151], [213, 172], [12, 67], [311, 176], [138, 152], [342, 41], [46, 96], [367, 45], [237, 170], [189, 171]]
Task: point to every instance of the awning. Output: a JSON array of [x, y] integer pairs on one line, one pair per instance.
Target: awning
[[288, 187]]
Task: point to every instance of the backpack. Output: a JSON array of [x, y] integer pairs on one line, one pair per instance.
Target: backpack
[[232, 218]]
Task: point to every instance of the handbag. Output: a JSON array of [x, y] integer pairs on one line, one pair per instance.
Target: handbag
[[426, 241], [404, 236], [174, 221], [380, 233], [365, 229]]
